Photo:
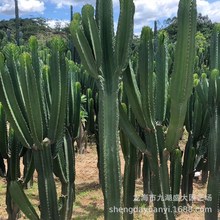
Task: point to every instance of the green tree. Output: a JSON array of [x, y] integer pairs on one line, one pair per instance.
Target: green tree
[[204, 25]]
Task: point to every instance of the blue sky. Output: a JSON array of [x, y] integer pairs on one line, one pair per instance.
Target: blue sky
[[146, 10]]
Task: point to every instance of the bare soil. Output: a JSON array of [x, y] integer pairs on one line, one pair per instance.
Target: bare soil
[[89, 199]]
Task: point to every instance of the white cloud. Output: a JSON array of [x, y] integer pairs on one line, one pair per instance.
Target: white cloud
[[25, 6], [57, 23], [210, 9], [147, 11], [62, 3]]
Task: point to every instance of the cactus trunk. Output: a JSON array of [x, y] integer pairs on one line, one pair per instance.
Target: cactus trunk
[[46, 184], [109, 152]]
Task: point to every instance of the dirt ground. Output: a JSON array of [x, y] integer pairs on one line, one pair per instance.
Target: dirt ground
[[89, 200]]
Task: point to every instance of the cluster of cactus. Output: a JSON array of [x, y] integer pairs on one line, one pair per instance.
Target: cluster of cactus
[[197, 126], [209, 94], [202, 124], [45, 94], [34, 97], [147, 93], [41, 70]]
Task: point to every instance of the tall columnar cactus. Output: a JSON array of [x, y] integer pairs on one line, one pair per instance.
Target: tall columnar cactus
[[182, 77], [148, 103], [12, 151], [17, 21], [36, 123], [214, 140], [105, 60], [141, 98], [197, 126], [130, 157], [64, 168]]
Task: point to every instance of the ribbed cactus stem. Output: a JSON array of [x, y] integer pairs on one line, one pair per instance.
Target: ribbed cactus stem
[[105, 61], [46, 185], [130, 157], [214, 138], [109, 152], [161, 78], [182, 76], [214, 48]]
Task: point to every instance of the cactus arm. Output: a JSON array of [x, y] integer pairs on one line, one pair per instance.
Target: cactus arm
[[68, 187], [3, 134], [13, 173], [76, 100], [106, 31], [130, 157], [146, 75], [30, 91], [64, 96], [214, 138], [198, 120], [128, 128], [30, 171], [163, 171], [33, 44], [11, 52], [91, 114], [83, 47], [161, 78], [59, 85], [22, 201], [124, 33], [214, 48], [185, 52], [11, 106], [202, 90], [214, 166], [187, 166], [182, 77], [47, 92], [176, 173], [133, 94], [59, 166], [46, 184], [92, 33]]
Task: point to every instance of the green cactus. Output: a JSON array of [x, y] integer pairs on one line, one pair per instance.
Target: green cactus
[[13, 174], [105, 61], [130, 156], [197, 125], [176, 166], [145, 98], [161, 78], [37, 124], [146, 119], [3, 133], [214, 140], [12, 150], [182, 77], [68, 188]]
